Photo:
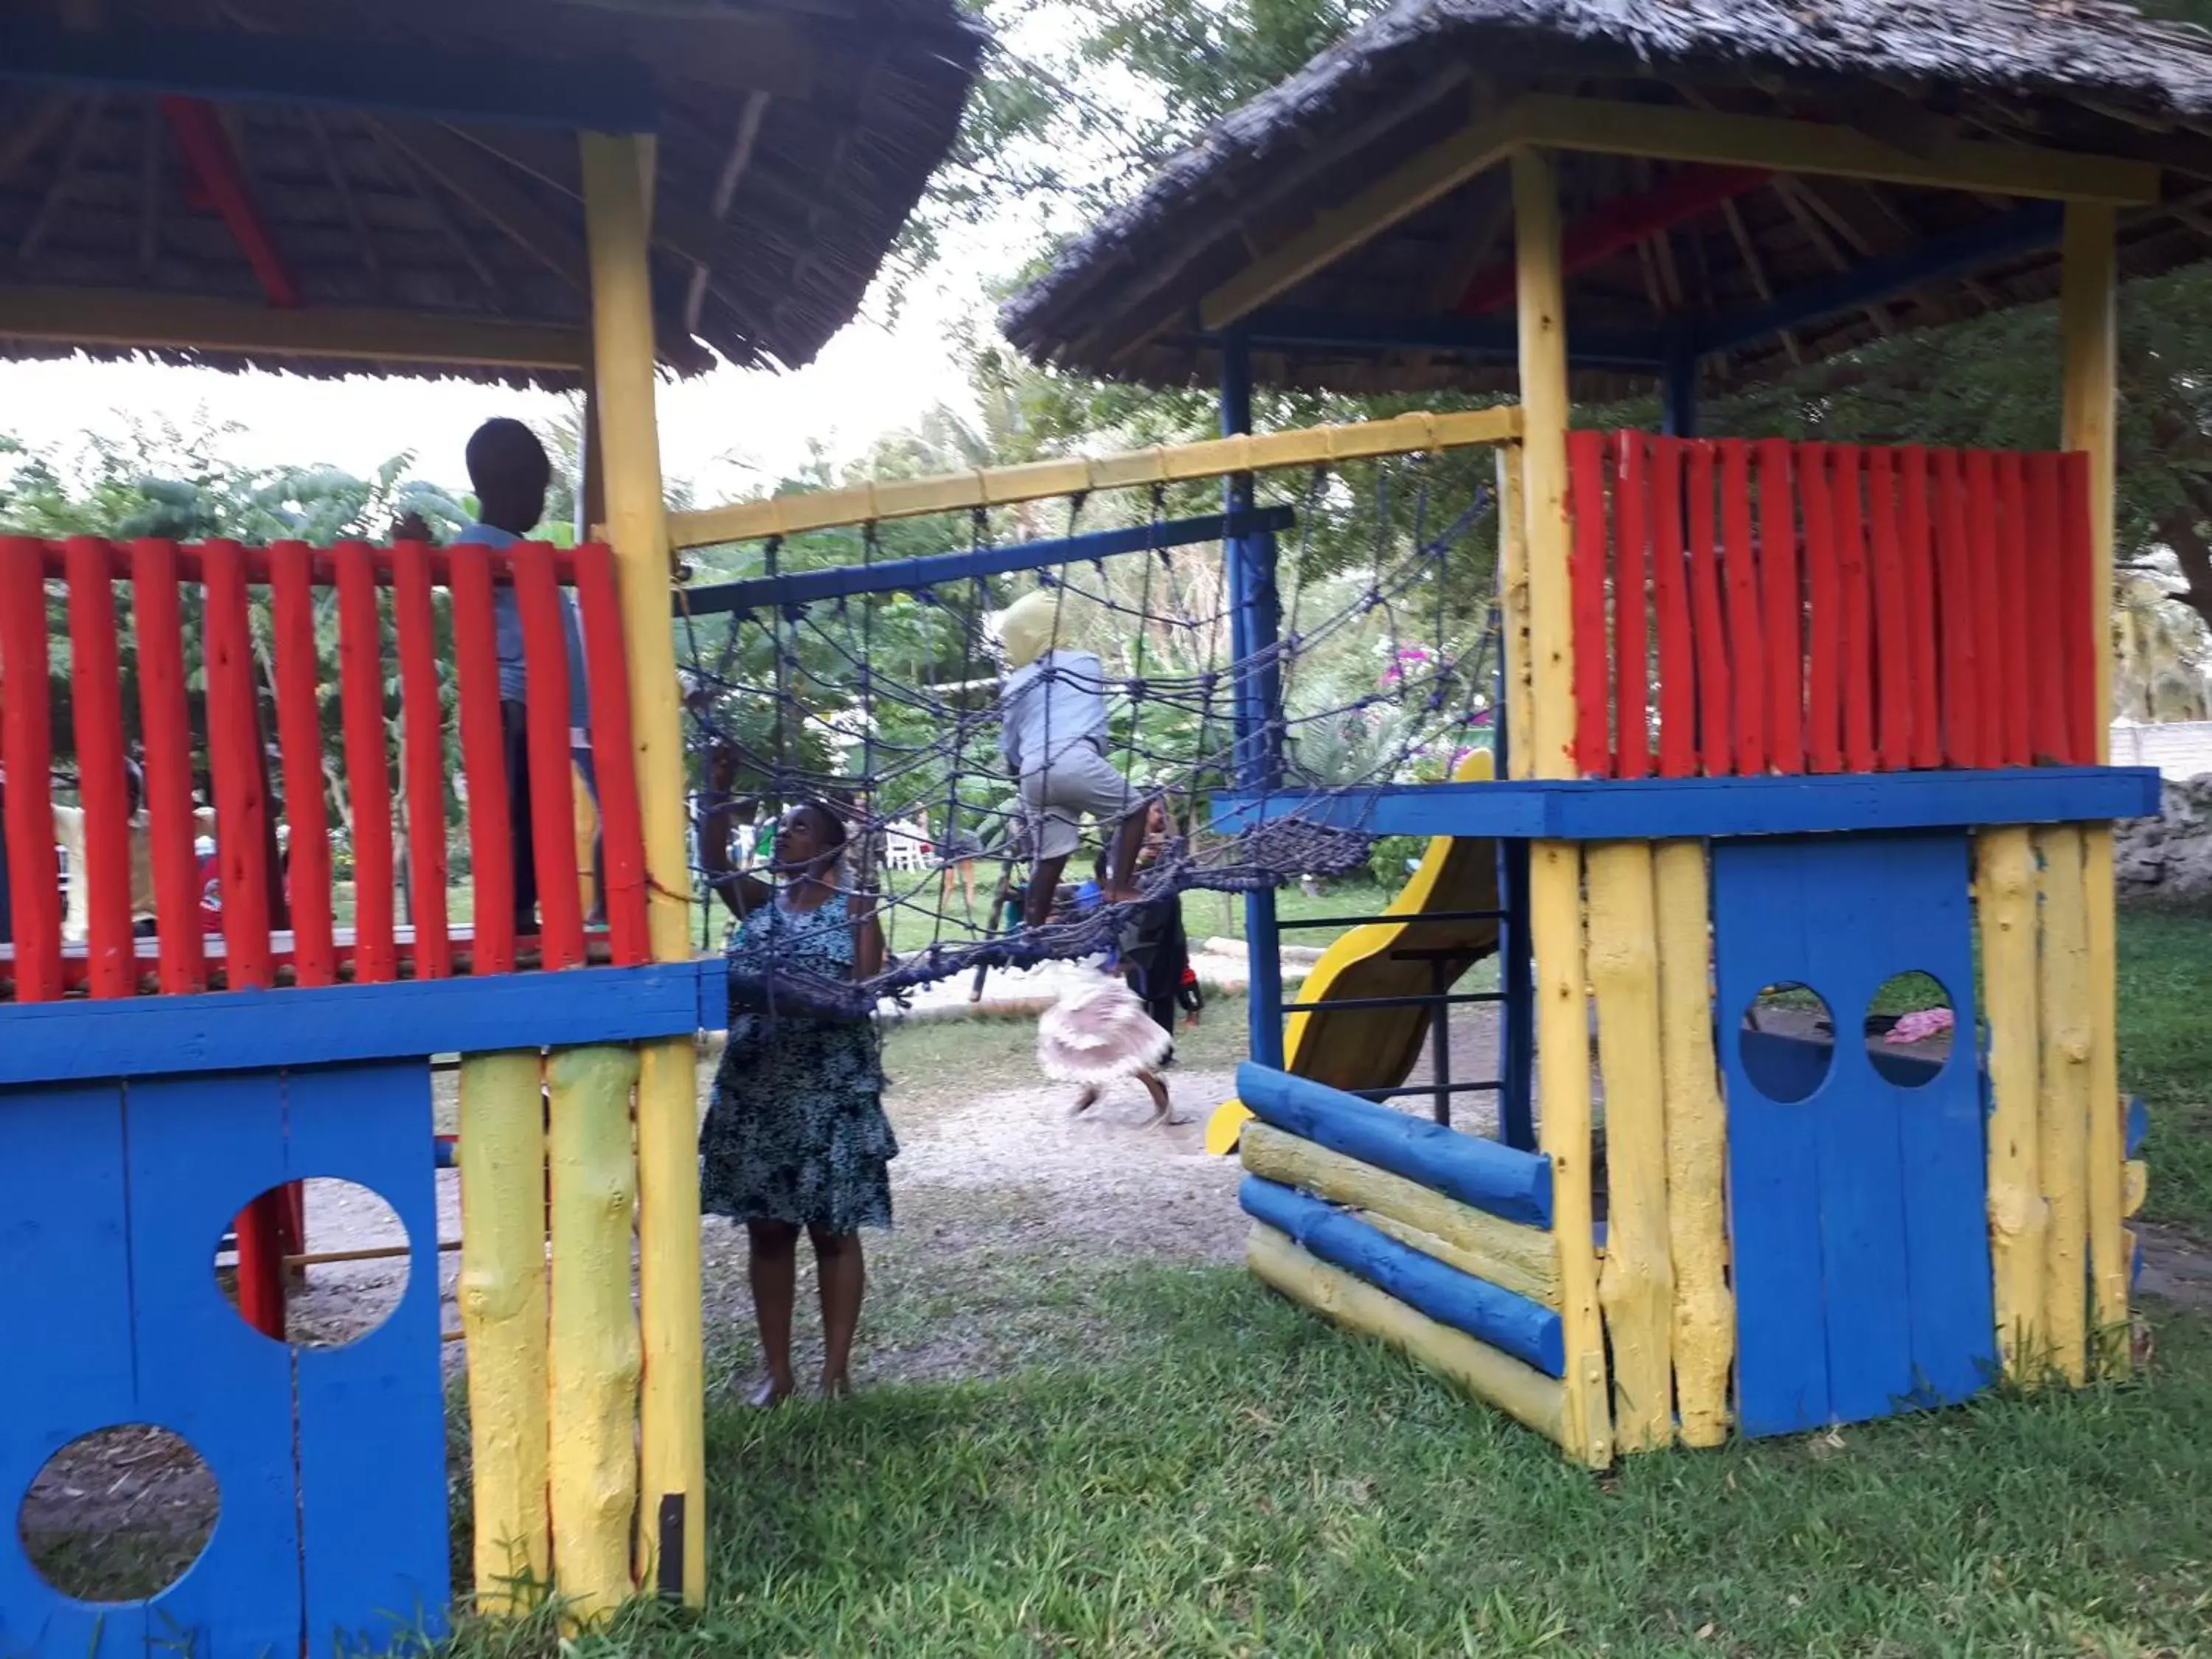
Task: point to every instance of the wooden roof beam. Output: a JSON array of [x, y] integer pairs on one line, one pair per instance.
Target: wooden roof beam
[[121, 319], [223, 182], [465, 170], [1622, 222]]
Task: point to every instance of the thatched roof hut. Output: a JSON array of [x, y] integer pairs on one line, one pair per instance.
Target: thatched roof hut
[[432, 211], [1427, 304]]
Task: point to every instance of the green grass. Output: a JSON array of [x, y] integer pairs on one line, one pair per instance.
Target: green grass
[[1243, 1482], [2165, 1056]]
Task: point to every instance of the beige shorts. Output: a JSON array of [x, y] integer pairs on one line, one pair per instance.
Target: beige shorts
[[1079, 783]]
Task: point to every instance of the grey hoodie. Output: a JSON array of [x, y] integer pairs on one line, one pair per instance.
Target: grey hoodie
[[1056, 703]]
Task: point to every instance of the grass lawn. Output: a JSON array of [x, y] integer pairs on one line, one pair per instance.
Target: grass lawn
[[1187, 1464]]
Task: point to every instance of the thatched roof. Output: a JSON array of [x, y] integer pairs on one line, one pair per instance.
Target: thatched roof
[[794, 138], [2081, 75]]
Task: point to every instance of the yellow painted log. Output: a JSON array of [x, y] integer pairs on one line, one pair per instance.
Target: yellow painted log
[[2106, 1160], [1518, 1389], [595, 1335], [1697, 1147], [503, 1316], [2064, 1106], [1522, 1260], [1555, 909], [1513, 593], [2136, 1189], [2005, 910], [1637, 1286], [671, 1446]]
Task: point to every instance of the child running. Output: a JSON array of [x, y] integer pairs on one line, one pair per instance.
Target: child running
[[1052, 714], [1099, 1032]]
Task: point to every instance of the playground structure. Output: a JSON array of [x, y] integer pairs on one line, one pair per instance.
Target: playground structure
[[573, 196], [1878, 735]]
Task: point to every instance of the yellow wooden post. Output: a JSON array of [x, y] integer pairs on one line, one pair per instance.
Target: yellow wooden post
[[1697, 1147], [594, 1362], [1555, 909], [503, 1315], [1513, 597], [1636, 1285], [2005, 910], [2063, 1106], [2088, 325], [671, 1450]]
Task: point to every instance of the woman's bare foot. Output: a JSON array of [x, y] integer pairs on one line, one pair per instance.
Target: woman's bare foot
[[769, 1394], [1084, 1102], [839, 1387]]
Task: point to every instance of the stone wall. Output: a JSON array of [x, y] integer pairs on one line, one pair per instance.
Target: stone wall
[[2169, 856]]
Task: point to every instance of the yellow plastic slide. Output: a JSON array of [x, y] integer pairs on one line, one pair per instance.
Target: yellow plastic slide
[[1376, 1048]]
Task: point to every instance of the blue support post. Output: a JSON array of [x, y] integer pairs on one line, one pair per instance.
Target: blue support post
[[1517, 959], [1677, 386], [1254, 619]]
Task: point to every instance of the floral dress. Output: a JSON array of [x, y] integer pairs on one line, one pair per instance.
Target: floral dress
[[796, 1130]]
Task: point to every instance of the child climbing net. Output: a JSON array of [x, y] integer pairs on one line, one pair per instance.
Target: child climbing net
[[1004, 692]]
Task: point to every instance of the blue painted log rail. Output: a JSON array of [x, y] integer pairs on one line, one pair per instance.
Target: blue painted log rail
[[1514, 1185], [1511, 1323]]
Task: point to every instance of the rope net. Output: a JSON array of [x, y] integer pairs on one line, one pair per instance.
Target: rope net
[[1370, 661]]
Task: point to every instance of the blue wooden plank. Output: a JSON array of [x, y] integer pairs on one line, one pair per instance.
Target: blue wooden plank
[[64, 1276], [609, 94], [1515, 1185], [1652, 809], [2138, 1125], [2022, 230], [200, 1149], [1279, 326], [1506, 1321], [372, 1448], [230, 1031], [1774, 1151], [934, 570]]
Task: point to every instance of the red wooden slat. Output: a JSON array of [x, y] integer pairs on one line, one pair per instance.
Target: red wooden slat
[[1824, 652], [1858, 671], [241, 824], [1670, 587], [423, 747], [1631, 627], [323, 566], [2014, 542], [159, 623], [1921, 606], [1746, 649], [2088, 610], [259, 1230], [2048, 616], [1959, 632], [96, 699], [552, 795], [1992, 696], [26, 745], [622, 825], [491, 856], [1587, 572], [1715, 699], [1782, 591], [299, 739], [1893, 645], [360, 681]]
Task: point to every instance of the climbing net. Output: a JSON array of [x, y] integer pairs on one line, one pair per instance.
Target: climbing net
[[861, 666]]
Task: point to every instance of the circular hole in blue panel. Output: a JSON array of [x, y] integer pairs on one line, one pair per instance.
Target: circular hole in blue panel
[[343, 1270], [1788, 1042], [1909, 1028], [119, 1515]]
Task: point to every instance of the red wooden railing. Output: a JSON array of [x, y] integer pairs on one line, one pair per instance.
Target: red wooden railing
[[270, 935], [1828, 607]]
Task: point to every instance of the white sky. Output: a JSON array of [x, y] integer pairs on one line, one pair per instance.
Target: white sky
[[719, 432]]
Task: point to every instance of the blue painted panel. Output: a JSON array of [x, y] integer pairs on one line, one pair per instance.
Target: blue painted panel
[[200, 1148], [936, 569], [2138, 1125], [1860, 1249], [1506, 1321], [1515, 1185], [243, 1030], [1651, 809], [66, 1278], [371, 1414]]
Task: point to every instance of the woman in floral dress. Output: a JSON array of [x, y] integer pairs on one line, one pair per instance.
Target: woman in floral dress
[[795, 1136]]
